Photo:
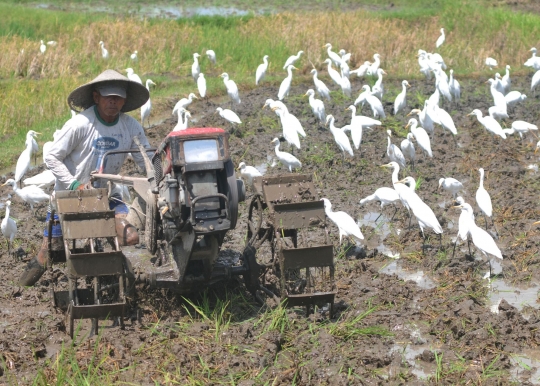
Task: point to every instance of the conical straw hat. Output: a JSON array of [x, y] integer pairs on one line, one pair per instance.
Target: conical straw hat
[[82, 98]]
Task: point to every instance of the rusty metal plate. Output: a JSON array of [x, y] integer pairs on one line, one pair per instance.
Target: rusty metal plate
[[98, 311], [89, 228], [297, 258], [96, 264], [299, 215], [286, 189], [88, 200], [310, 299]]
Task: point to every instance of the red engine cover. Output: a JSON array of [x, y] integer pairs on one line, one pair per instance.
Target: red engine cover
[[196, 131]]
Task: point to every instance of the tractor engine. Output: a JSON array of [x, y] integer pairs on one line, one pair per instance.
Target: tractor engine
[[197, 187]]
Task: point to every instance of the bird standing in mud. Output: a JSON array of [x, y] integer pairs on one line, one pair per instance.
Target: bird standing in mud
[[232, 88], [483, 199], [8, 227], [30, 194], [345, 223], [288, 160], [248, 173]]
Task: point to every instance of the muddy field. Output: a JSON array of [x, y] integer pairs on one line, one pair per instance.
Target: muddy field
[[442, 321]]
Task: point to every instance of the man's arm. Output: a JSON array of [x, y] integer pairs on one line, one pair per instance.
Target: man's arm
[[137, 157], [61, 148]]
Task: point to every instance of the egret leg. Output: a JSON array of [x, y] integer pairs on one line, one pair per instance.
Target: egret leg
[[469, 245], [455, 140], [394, 215], [485, 219], [454, 251], [440, 240]]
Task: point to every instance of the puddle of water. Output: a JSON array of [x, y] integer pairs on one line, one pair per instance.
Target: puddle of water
[[262, 167], [409, 353], [382, 225], [529, 360], [515, 296], [450, 225], [418, 277]]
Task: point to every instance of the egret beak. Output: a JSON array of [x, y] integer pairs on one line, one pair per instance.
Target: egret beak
[[536, 150], [408, 124], [306, 94], [385, 166], [470, 114], [401, 182], [487, 81], [384, 72], [461, 206], [348, 108], [275, 108], [294, 68], [407, 84], [37, 133], [537, 222], [4, 184]]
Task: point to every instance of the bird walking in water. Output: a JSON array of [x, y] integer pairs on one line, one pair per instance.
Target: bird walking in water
[[8, 227], [345, 223], [480, 238], [288, 160]]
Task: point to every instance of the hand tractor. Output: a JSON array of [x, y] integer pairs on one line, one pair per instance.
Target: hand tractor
[[192, 195]]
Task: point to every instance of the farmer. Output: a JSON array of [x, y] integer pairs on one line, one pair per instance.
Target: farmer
[[100, 127]]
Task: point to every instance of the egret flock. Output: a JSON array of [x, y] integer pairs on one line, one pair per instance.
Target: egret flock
[[417, 144]]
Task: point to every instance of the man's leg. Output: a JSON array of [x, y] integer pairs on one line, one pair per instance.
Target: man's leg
[[126, 232]]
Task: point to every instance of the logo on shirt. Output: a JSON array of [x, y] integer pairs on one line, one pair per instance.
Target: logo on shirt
[[103, 145]]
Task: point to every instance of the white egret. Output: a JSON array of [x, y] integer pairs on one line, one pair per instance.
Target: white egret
[[345, 70], [463, 225], [423, 213], [425, 119], [211, 55], [497, 113], [455, 88], [184, 102], [320, 86], [346, 86], [385, 196], [535, 80], [248, 173], [104, 52], [183, 119], [407, 148], [533, 61], [292, 59], [133, 56], [44, 180], [336, 77], [378, 87], [30, 194], [441, 83], [374, 102], [345, 223], [394, 153], [398, 187], [490, 62], [272, 104], [132, 76], [229, 115], [425, 64], [358, 122], [506, 81], [195, 67], [401, 99], [31, 139], [522, 128], [498, 96], [285, 85], [421, 136], [480, 238], [8, 227], [52, 43], [451, 185], [445, 120], [317, 106], [362, 70], [147, 107], [514, 97], [372, 70], [288, 160], [261, 70], [489, 123], [201, 85], [440, 40], [289, 126], [339, 136], [366, 90], [232, 88], [345, 57], [23, 162], [42, 47], [483, 199], [332, 55]]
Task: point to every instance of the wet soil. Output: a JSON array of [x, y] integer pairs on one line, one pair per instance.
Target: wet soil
[[435, 307]]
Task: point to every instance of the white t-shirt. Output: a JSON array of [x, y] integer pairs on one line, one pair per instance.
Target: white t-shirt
[[82, 142]]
